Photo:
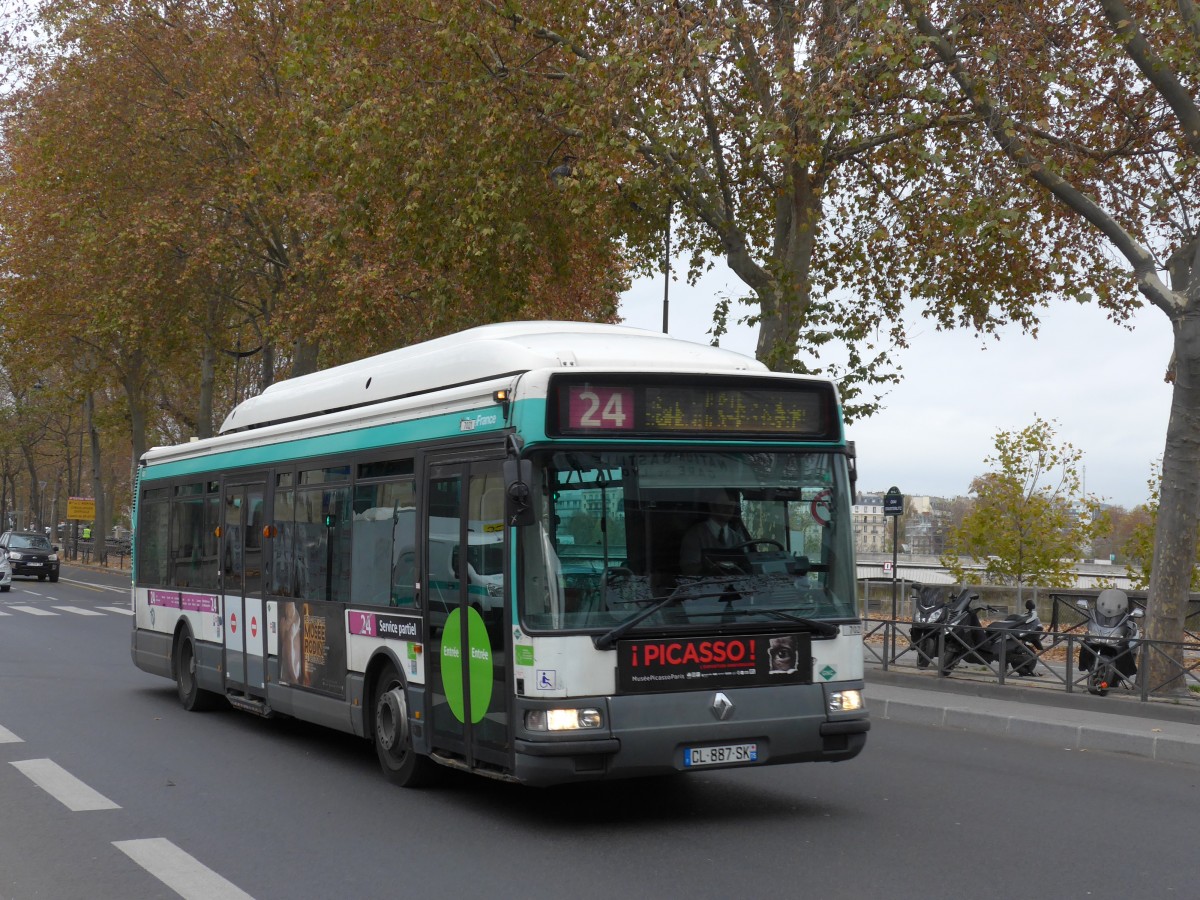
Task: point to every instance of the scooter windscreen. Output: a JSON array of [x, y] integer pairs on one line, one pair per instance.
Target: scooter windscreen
[[1112, 606]]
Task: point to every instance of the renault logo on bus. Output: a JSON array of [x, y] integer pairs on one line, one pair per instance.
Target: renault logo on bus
[[722, 706]]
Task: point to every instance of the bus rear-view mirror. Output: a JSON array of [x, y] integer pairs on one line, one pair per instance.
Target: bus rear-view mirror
[[518, 496]]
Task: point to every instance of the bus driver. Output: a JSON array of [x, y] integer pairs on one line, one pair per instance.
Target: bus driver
[[721, 529]]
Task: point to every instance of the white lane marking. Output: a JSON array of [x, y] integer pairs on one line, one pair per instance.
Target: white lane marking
[[5, 614], [179, 871], [117, 609], [79, 610], [34, 611], [7, 737], [96, 587], [63, 786]]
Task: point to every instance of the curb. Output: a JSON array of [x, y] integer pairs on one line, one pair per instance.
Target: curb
[[1184, 710], [1137, 736]]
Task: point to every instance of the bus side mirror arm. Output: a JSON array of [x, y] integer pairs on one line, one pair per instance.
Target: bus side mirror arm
[[518, 496], [852, 465]]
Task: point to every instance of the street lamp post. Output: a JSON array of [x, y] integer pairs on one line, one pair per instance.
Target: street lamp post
[[667, 270], [893, 506]]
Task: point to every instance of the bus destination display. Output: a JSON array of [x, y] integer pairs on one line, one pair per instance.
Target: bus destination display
[[613, 407]]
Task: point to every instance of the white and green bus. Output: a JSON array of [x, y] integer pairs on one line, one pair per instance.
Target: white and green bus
[[472, 552]]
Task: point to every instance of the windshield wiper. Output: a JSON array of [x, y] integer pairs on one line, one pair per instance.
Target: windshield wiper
[[825, 629], [682, 592]]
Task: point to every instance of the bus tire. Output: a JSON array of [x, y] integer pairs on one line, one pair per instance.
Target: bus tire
[[191, 695], [401, 764]]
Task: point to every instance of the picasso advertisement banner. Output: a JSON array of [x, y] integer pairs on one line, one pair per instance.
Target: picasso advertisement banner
[[674, 664]]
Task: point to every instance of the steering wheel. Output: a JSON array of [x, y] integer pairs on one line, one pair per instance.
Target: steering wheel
[[746, 545], [614, 573]]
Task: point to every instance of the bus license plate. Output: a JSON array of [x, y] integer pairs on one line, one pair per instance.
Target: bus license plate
[[723, 755]]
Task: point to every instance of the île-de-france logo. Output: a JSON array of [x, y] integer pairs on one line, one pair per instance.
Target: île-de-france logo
[[480, 420]]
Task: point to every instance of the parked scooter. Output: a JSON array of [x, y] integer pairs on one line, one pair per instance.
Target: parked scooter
[[1109, 652], [1016, 638], [929, 614]]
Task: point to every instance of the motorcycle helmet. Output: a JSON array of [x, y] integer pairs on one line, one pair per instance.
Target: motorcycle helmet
[[1112, 603]]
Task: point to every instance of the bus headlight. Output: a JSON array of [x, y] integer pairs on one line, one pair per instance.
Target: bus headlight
[[845, 701], [563, 719]]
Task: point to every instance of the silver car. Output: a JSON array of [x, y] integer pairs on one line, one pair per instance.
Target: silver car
[[5, 573]]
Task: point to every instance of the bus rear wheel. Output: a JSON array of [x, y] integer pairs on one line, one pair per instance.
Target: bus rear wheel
[[191, 695], [401, 764]]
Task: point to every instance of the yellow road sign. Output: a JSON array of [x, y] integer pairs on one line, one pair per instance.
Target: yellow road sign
[[81, 509]]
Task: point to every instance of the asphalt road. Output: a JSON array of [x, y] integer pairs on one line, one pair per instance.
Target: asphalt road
[[113, 791]]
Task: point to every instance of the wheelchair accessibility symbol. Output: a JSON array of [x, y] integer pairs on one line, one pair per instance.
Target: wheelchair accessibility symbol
[[547, 679]]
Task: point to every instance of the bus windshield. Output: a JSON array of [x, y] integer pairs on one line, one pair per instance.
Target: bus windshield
[[709, 538]]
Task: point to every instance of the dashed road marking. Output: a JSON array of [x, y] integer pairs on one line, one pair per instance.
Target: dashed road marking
[[179, 871], [7, 737], [97, 587], [79, 610], [63, 786]]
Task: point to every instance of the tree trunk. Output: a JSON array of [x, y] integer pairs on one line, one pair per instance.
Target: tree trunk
[[304, 358], [785, 307], [100, 526], [1179, 498], [35, 492], [266, 374], [208, 378], [135, 395]]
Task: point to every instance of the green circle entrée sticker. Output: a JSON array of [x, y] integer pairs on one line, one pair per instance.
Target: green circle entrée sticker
[[479, 665]]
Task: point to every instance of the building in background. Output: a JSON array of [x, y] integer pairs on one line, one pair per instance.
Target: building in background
[[923, 527], [870, 524]]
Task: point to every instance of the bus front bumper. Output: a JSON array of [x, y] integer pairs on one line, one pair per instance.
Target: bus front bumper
[[658, 734]]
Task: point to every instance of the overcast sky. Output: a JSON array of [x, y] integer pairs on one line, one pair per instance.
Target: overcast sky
[[1102, 384]]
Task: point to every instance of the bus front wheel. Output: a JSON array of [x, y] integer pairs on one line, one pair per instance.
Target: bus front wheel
[[191, 695], [401, 764]]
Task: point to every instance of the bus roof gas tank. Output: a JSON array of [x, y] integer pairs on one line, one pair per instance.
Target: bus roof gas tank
[[477, 355]]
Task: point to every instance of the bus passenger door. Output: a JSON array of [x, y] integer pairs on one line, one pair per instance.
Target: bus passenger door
[[242, 521], [464, 574]]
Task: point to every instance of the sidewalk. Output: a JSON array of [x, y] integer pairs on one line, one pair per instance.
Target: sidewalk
[[1157, 730]]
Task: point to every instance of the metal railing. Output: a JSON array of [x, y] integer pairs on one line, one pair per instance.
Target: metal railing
[[886, 642], [83, 551], [893, 600]]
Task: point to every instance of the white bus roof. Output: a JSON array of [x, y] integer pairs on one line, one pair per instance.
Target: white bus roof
[[480, 354]]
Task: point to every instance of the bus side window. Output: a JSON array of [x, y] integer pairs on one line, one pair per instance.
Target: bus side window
[[322, 546], [383, 567], [283, 554], [154, 537]]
